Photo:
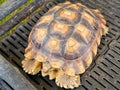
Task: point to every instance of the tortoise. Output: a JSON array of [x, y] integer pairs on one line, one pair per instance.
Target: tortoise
[[64, 42]]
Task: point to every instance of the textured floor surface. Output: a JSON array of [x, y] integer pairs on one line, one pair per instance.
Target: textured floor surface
[[104, 73]]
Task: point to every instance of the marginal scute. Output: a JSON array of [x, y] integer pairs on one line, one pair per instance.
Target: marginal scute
[[104, 29], [69, 69], [88, 18], [31, 54], [45, 19], [103, 21], [88, 60], [67, 2], [100, 16], [56, 63], [30, 46], [55, 8], [40, 57], [40, 34], [98, 38], [80, 66], [94, 49], [74, 7], [96, 10]]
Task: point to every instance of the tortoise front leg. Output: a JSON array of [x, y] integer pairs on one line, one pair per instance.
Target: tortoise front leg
[[31, 66]]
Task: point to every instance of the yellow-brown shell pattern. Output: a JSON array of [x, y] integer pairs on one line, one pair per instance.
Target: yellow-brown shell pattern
[[64, 42]]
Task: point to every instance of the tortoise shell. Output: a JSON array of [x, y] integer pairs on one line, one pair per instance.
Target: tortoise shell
[[63, 43]]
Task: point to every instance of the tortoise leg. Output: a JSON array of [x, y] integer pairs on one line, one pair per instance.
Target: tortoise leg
[[31, 66], [67, 81]]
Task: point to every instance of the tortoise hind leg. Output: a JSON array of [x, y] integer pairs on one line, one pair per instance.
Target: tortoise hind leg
[[31, 66], [67, 81]]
